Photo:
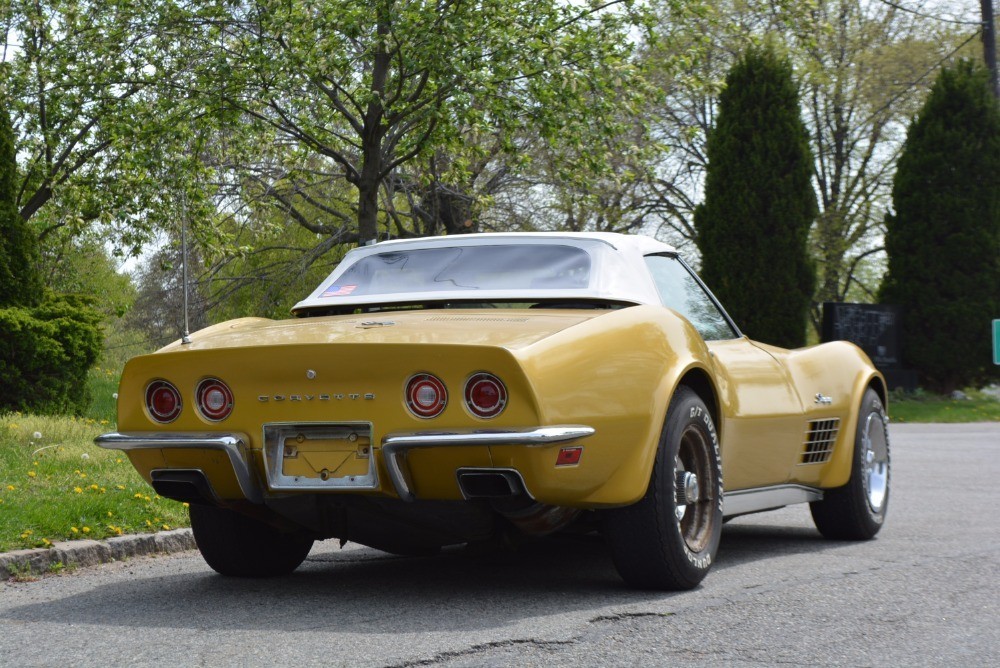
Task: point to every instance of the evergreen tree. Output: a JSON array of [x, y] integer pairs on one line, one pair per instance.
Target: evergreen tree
[[48, 342], [753, 227], [943, 241], [20, 283]]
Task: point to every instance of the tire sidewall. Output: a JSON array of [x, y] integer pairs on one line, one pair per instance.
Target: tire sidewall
[[688, 410]]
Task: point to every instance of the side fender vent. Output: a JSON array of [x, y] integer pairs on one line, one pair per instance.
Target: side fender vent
[[819, 439]]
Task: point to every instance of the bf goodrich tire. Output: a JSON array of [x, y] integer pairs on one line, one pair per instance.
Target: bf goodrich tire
[[857, 510], [669, 538]]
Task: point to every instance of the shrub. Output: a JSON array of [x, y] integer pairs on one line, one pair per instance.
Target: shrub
[[45, 353]]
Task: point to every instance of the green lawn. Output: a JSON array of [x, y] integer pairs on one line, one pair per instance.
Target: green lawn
[[921, 407], [55, 484]]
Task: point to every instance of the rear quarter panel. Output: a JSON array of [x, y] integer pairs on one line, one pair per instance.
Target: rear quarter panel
[[615, 373]]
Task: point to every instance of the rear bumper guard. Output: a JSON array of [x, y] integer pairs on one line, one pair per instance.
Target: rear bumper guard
[[234, 445], [395, 446]]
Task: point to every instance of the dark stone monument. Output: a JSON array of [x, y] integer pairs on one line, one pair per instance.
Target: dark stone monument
[[875, 329]]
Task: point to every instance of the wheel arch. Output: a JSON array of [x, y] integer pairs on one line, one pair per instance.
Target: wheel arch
[[697, 379], [878, 384]]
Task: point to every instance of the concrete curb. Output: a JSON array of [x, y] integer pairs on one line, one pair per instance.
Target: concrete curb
[[93, 552]]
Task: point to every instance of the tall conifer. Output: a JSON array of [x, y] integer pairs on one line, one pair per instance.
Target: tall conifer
[[753, 227], [943, 241]]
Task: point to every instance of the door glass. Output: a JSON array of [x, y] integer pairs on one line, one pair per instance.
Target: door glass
[[680, 291]]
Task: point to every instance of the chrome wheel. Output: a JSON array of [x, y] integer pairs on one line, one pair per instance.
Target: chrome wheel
[[875, 460]]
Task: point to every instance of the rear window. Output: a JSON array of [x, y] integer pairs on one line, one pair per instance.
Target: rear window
[[511, 267]]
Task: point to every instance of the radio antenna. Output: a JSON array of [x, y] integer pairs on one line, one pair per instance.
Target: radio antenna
[[186, 336]]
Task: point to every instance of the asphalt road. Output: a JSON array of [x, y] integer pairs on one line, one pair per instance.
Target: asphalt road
[[926, 592]]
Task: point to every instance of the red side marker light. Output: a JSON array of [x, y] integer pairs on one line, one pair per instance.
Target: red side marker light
[[569, 456]]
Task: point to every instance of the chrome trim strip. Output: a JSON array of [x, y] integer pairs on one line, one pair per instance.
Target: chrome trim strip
[[234, 445], [746, 501], [394, 445]]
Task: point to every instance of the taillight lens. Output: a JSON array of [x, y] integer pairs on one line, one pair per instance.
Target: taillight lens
[[163, 401], [426, 395], [485, 395], [215, 399]]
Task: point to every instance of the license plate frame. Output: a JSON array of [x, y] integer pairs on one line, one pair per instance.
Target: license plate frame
[[338, 437]]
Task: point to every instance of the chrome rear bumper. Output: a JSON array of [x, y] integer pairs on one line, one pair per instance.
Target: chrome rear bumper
[[394, 446]]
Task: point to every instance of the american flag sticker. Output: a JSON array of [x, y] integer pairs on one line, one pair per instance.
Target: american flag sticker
[[339, 290]]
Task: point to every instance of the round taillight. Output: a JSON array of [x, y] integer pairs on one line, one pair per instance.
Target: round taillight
[[163, 401], [215, 400], [426, 395], [485, 395]]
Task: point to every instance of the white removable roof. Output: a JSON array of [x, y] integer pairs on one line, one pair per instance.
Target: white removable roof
[[617, 271]]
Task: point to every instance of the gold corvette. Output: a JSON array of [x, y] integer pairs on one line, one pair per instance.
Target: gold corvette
[[451, 390]]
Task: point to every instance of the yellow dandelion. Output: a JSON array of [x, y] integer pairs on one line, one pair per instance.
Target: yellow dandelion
[[46, 542], [110, 514], [86, 529], [78, 490], [119, 486], [148, 523], [147, 498], [26, 533], [34, 463], [165, 527], [74, 530], [32, 474], [103, 490], [95, 487], [118, 461], [11, 488], [186, 504], [137, 495], [104, 421]]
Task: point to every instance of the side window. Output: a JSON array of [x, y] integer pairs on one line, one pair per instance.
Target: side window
[[680, 291]]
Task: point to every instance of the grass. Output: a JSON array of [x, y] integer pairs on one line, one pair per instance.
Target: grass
[[922, 407], [55, 484]]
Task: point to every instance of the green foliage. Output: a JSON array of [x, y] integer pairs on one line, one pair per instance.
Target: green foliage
[[107, 138], [355, 92], [20, 284], [943, 241], [753, 226], [45, 353]]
